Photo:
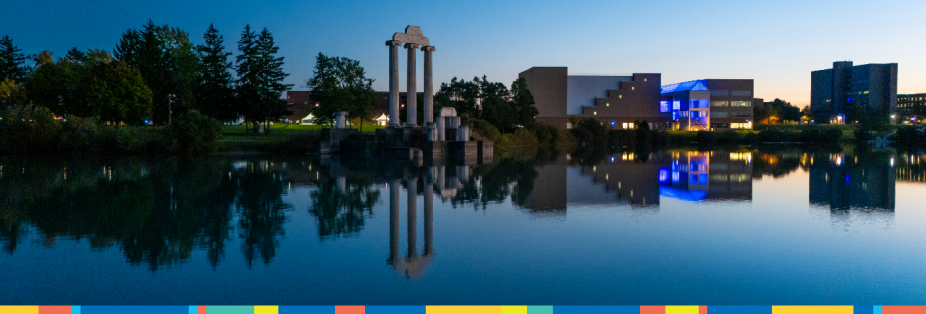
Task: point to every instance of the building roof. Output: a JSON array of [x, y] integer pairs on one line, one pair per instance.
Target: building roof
[[684, 86]]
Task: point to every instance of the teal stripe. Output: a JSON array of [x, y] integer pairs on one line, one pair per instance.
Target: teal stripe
[[540, 310], [230, 309]]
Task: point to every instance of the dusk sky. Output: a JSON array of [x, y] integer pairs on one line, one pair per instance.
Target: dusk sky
[[776, 43]]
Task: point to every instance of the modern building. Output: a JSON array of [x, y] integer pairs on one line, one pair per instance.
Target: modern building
[[911, 108], [839, 92], [704, 105], [622, 100], [617, 100]]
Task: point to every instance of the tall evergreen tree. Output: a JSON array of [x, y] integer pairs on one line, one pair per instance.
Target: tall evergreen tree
[[522, 102], [260, 78], [11, 61], [215, 96], [168, 64]]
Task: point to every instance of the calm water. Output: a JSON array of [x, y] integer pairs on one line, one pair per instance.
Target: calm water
[[788, 226]]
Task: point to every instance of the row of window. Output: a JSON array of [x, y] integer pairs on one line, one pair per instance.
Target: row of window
[[732, 103], [731, 125], [719, 92], [723, 114]]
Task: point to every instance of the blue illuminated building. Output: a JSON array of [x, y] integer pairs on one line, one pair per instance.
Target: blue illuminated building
[[706, 105]]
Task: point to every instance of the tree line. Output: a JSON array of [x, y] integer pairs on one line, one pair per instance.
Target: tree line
[[154, 74]]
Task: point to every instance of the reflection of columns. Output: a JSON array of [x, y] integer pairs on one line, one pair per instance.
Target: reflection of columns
[[411, 92], [412, 216], [393, 82], [428, 217], [428, 85], [394, 221]]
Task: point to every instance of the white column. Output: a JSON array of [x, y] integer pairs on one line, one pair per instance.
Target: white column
[[411, 91], [428, 85], [393, 82]]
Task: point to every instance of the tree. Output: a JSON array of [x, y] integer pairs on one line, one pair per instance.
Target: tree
[[11, 61], [522, 101], [495, 105], [90, 84], [777, 110], [260, 78], [460, 95], [214, 95], [11, 94], [117, 93], [340, 84], [168, 64]]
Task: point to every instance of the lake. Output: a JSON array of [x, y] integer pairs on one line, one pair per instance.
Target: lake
[[781, 226]]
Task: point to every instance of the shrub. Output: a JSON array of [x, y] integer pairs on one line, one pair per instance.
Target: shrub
[[193, 132], [487, 130]]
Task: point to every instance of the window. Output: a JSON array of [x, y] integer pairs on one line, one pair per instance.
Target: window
[[644, 79], [684, 113], [632, 88], [740, 103], [676, 105], [693, 103], [741, 93], [595, 113], [721, 103], [720, 93], [704, 103], [663, 106], [628, 125], [719, 114], [607, 104], [620, 96], [720, 125], [740, 115], [741, 125]]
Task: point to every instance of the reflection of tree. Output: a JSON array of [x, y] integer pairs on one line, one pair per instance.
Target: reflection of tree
[[156, 212], [495, 183], [339, 212], [261, 213]]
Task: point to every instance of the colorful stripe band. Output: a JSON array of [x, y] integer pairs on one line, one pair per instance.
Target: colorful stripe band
[[360, 309]]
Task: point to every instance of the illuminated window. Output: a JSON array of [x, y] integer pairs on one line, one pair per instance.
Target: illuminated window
[[663, 106], [607, 105], [676, 105], [719, 103], [595, 113], [644, 79], [632, 88], [620, 96]]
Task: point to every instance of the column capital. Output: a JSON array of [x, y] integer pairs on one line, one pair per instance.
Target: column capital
[[428, 48], [412, 46], [393, 43]]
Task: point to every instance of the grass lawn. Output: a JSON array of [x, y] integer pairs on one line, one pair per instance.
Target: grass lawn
[[241, 137]]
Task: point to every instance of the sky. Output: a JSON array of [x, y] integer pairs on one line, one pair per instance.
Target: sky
[[776, 43]]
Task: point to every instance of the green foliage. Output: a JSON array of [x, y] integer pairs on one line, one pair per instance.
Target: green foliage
[[590, 131], [168, 65], [214, 94], [493, 102], [194, 132], [486, 130], [260, 78], [11, 61], [340, 84], [30, 129], [460, 95], [11, 93], [90, 85], [776, 111]]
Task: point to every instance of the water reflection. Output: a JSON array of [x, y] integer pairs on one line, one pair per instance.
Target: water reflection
[[158, 212]]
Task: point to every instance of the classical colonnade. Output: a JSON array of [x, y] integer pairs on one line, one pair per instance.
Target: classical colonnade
[[413, 39]]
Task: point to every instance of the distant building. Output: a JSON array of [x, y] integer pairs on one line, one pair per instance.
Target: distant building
[[301, 105], [622, 100], [911, 108], [836, 92]]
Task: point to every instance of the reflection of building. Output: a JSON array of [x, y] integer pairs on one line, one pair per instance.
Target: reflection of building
[[834, 92], [843, 182], [551, 193]]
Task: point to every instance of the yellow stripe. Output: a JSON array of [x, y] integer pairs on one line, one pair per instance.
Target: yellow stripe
[[812, 309], [514, 309], [266, 309], [19, 309], [682, 309], [464, 310]]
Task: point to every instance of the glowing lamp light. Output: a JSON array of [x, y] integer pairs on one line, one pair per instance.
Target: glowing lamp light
[[316, 105]]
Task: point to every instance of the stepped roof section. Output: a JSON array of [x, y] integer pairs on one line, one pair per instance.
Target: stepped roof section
[[684, 86]]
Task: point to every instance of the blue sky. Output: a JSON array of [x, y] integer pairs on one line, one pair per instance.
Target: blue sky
[[776, 43]]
